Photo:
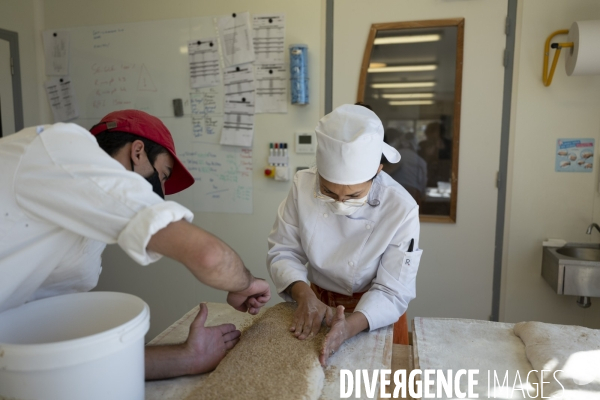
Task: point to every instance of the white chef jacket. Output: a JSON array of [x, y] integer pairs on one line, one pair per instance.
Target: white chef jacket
[[365, 251], [62, 199]]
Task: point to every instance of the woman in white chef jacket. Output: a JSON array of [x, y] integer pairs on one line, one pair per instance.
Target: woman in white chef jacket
[[347, 235]]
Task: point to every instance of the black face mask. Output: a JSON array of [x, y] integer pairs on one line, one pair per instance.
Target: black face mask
[[154, 180]]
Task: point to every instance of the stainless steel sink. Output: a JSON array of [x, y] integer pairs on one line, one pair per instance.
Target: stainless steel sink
[[573, 269], [581, 253]]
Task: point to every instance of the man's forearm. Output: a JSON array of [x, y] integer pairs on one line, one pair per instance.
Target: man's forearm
[[210, 260], [162, 362]]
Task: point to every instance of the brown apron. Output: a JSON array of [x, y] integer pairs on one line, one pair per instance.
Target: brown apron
[[333, 299]]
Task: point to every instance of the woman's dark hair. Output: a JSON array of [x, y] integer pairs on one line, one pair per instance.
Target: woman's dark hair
[[360, 103], [374, 202], [113, 141]]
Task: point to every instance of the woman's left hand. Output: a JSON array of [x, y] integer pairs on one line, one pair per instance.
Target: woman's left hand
[[339, 332]]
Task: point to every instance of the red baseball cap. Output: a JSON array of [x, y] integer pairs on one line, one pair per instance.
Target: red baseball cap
[[145, 125]]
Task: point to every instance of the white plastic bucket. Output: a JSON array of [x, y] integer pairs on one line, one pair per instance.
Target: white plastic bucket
[[82, 346]]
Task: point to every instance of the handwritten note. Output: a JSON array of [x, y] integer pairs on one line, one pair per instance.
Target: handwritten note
[[62, 99], [271, 88], [207, 129], [204, 62], [119, 85], [269, 38], [207, 101], [236, 39], [207, 114], [223, 178], [56, 52]]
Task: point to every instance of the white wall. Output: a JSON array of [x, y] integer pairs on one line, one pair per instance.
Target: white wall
[[21, 16], [167, 287], [455, 274], [543, 203]]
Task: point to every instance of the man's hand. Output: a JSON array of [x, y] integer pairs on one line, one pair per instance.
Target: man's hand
[[204, 348], [310, 312], [251, 299], [338, 334], [208, 345]]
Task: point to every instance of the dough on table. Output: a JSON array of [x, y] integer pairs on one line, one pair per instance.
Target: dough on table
[[269, 362]]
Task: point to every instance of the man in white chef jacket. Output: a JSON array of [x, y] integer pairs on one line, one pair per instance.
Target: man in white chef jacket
[[63, 198], [347, 236]]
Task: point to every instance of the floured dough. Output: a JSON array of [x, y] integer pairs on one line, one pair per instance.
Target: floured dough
[[574, 350], [269, 362]]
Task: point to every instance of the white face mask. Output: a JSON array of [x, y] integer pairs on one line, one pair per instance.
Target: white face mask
[[339, 208]]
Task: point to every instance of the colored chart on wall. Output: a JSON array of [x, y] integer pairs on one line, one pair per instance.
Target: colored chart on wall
[[574, 155]]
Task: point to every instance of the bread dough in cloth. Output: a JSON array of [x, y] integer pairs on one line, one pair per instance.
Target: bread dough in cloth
[[574, 350], [269, 362]]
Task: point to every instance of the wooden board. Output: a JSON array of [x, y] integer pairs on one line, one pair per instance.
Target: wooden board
[[367, 350], [402, 359]]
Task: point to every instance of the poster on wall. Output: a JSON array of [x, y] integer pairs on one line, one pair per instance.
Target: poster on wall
[[574, 155]]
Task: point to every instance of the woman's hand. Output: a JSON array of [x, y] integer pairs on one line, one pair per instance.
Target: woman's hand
[[310, 312], [337, 335], [342, 329]]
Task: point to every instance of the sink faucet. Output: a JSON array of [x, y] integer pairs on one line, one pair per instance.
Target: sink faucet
[[592, 226]]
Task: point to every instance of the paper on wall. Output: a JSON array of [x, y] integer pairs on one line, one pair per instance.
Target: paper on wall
[[236, 39], [207, 129], [269, 38], [238, 122], [62, 99], [203, 57], [239, 88], [207, 101], [207, 114], [223, 177], [271, 88], [574, 155], [56, 52], [238, 129]]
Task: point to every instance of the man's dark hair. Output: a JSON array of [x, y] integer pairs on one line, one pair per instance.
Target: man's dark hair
[[113, 141]]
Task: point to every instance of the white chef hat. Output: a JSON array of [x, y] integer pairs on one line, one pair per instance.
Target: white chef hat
[[350, 144]]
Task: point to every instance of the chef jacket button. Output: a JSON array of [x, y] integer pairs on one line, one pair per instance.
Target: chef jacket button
[[325, 215], [368, 226], [351, 264]]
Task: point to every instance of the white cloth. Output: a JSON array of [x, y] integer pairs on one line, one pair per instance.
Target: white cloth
[[349, 254], [62, 199], [449, 344], [569, 355], [350, 145]]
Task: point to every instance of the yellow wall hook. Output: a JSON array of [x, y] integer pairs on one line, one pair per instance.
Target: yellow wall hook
[[547, 77]]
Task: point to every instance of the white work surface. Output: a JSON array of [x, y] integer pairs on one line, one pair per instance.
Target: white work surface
[[443, 343], [367, 350]]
